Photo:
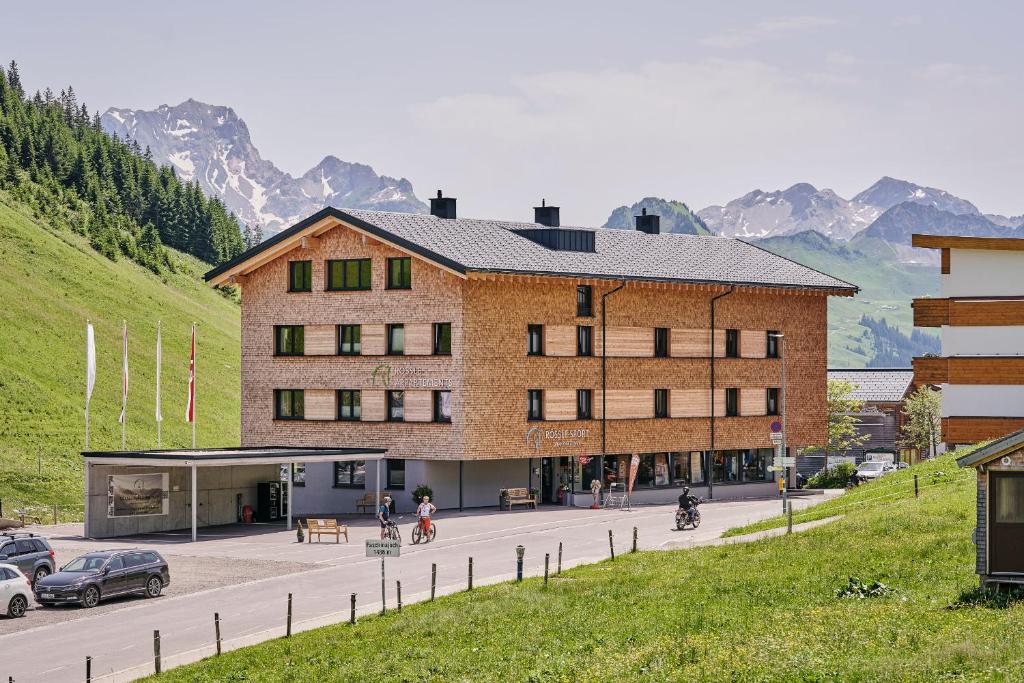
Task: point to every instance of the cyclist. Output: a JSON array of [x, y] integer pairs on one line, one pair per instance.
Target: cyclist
[[423, 512], [384, 514]]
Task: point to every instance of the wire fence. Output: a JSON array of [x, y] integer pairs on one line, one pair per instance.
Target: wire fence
[[40, 513]]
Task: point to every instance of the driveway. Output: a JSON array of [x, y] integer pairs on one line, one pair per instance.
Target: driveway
[[265, 564]]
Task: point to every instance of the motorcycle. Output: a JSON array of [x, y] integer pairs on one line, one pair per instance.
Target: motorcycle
[[682, 519]]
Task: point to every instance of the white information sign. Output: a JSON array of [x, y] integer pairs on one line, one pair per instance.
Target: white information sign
[[776, 438], [383, 548], [786, 461]]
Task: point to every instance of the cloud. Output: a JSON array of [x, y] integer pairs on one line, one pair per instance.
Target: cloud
[[959, 75], [768, 29], [908, 20]]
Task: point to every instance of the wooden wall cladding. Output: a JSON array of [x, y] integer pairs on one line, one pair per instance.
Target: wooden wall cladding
[[690, 343], [419, 406], [626, 342], [374, 342], [930, 370], [753, 401], [626, 404], [419, 339], [968, 312], [559, 404], [1000, 370], [689, 402], [965, 430], [753, 343], [930, 312], [321, 340], [374, 406], [559, 340], [320, 404]]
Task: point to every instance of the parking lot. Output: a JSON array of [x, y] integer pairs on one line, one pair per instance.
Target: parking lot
[[246, 572]]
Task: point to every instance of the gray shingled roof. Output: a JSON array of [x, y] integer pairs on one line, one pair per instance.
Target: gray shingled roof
[[469, 244], [882, 385], [488, 245]]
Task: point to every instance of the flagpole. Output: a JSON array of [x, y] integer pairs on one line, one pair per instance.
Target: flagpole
[[87, 323], [158, 417], [124, 382], [194, 382]]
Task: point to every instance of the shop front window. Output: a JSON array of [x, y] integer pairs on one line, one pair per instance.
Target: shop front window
[[725, 467], [755, 464], [696, 467], [645, 471], [680, 468], [661, 471]]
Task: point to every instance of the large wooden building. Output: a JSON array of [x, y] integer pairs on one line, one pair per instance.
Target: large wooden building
[[484, 354], [981, 316]]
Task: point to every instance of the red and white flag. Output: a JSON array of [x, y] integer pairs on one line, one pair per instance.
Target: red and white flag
[[190, 410], [124, 373]]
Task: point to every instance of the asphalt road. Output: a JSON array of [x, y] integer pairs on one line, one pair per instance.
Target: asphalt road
[[120, 641]]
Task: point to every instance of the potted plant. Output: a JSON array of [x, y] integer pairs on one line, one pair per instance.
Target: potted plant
[[299, 535]]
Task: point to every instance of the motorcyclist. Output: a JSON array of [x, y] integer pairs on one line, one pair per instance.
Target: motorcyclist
[[686, 504]]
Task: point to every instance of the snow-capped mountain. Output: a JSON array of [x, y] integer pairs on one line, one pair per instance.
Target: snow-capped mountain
[[798, 208], [888, 192], [211, 144]]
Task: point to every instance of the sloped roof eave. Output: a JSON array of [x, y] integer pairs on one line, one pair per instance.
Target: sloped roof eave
[[993, 450]]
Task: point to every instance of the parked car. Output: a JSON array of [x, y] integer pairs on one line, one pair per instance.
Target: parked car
[[92, 577], [15, 591], [29, 552], [873, 469]]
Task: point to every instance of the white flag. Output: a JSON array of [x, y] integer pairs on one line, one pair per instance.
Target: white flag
[[90, 363], [124, 379], [190, 409], [159, 417]]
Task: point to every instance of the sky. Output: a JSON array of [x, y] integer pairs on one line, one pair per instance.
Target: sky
[[590, 105]]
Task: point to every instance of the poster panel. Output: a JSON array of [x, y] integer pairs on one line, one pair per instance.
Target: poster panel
[[137, 495]]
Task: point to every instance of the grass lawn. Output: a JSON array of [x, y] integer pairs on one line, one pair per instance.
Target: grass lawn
[[51, 282], [766, 610]]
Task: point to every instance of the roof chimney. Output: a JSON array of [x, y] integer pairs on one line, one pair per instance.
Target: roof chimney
[[442, 207], [651, 224], [546, 215]]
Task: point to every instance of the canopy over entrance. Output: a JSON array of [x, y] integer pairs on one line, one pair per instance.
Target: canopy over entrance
[[152, 496]]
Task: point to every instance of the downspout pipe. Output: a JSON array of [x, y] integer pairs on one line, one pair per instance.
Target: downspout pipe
[[604, 367], [711, 452]]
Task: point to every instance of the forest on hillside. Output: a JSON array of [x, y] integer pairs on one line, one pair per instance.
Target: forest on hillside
[[55, 158]]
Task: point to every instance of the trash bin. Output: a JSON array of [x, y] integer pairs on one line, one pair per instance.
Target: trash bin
[[247, 514]]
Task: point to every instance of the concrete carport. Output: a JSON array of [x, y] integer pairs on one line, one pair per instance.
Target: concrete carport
[[138, 492]]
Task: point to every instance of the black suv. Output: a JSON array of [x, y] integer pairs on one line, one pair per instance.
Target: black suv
[[32, 554], [92, 577]]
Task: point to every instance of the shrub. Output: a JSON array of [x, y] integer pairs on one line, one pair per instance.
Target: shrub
[[855, 588], [420, 491], [833, 478]]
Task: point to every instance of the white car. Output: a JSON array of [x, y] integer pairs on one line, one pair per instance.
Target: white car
[[15, 591], [873, 469]]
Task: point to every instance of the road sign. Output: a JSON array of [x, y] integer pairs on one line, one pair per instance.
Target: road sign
[[383, 548], [776, 426], [776, 438], [786, 461], [777, 468]]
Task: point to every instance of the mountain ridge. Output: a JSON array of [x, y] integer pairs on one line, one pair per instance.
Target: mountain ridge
[[212, 145]]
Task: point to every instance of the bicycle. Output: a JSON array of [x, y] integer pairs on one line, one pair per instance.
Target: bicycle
[[391, 531], [417, 532]]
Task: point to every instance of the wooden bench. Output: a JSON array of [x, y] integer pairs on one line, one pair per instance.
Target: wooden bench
[[369, 501], [329, 527], [519, 496]]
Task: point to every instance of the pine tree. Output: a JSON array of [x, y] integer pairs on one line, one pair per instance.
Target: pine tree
[[14, 79], [258, 234], [249, 236]]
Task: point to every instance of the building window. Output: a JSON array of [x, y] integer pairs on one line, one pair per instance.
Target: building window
[[755, 464], [289, 340], [442, 339], [772, 346], [584, 404], [298, 474], [661, 403], [732, 402], [661, 342], [534, 405], [350, 340], [350, 475], [725, 467], [300, 276], [396, 406], [395, 474], [696, 467], [732, 343], [535, 340], [584, 301], [349, 404], [396, 339], [442, 406], [772, 402], [584, 340], [289, 404], [400, 273], [348, 274]]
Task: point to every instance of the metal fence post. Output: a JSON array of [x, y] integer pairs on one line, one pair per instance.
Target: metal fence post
[[216, 628], [611, 544], [559, 570], [88, 670], [470, 574], [352, 615], [547, 558], [634, 539], [915, 486], [433, 580], [789, 518], [398, 590], [288, 631]]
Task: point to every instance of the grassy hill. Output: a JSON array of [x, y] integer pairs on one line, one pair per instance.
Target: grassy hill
[[767, 610], [887, 288], [51, 282]]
